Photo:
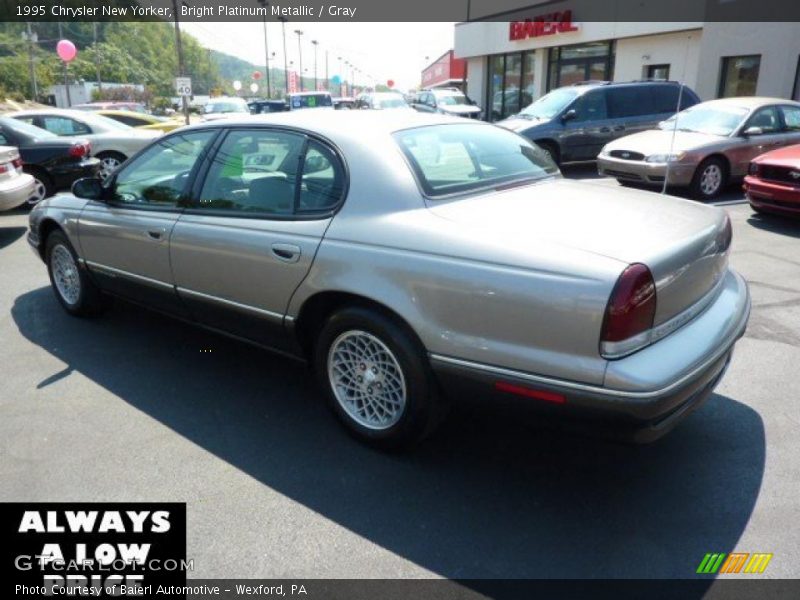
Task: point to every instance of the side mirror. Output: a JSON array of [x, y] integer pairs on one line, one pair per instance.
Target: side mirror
[[569, 115], [752, 131], [89, 188]]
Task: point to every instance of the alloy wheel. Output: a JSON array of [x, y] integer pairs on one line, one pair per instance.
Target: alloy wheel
[[39, 192], [107, 166], [65, 274], [711, 179], [366, 379]]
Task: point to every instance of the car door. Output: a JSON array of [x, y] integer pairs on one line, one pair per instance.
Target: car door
[[124, 238], [770, 135], [586, 127], [249, 235]]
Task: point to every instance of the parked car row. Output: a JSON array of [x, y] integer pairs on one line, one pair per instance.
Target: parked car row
[[408, 256]]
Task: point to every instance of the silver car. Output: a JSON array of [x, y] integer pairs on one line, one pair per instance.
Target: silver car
[[112, 142], [402, 255], [704, 147]]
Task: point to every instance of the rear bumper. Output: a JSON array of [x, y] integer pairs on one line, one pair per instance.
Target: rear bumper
[[772, 196], [646, 394], [15, 192], [65, 175], [680, 174]]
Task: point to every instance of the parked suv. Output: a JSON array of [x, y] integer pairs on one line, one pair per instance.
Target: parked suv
[[574, 123], [447, 101]]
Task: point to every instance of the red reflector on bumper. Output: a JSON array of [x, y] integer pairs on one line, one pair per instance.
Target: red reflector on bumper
[[529, 393]]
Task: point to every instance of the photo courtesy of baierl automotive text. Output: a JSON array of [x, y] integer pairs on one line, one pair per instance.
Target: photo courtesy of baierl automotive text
[[460, 300]]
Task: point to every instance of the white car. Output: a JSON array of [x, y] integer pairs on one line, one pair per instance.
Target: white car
[[112, 142], [223, 107], [15, 186]]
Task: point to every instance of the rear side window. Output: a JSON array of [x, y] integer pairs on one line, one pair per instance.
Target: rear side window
[[322, 184], [665, 98], [448, 159], [791, 117], [633, 101]]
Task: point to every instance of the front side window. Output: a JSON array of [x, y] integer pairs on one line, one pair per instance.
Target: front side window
[[549, 105], [591, 106], [739, 76], [158, 177], [766, 119], [449, 159]]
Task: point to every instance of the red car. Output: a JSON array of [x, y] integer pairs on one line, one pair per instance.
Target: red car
[[773, 182]]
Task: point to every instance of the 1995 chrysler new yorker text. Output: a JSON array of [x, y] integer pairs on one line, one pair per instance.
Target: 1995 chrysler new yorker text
[[404, 254]]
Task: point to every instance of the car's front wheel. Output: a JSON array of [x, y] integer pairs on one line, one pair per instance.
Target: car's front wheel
[[710, 179], [73, 288], [376, 377]]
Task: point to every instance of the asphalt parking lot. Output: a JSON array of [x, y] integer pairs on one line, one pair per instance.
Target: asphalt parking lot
[[135, 407]]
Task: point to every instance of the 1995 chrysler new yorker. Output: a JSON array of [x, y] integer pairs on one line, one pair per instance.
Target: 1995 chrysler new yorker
[[403, 254]]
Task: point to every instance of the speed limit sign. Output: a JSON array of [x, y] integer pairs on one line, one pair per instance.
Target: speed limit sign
[[183, 86]]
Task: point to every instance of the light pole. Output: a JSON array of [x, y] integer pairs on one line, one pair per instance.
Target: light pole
[[264, 5], [341, 75], [285, 66], [327, 80], [315, 42], [299, 33], [346, 78]]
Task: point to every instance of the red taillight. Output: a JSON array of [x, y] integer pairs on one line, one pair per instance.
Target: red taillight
[[77, 150], [17, 162], [3, 169], [630, 312]]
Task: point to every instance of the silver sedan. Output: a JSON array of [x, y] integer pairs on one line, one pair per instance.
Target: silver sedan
[[404, 255], [704, 147]]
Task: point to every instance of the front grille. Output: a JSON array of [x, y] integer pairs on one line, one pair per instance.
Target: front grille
[[621, 174], [781, 174], [627, 155]]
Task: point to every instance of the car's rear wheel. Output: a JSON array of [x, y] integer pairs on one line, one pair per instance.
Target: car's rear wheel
[[42, 187], [376, 378], [709, 179], [109, 161], [73, 288]]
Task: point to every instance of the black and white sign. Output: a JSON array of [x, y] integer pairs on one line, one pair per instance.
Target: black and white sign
[[183, 86]]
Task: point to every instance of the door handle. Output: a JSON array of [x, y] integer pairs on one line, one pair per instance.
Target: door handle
[[605, 129], [156, 234], [286, 252], [619, 128]]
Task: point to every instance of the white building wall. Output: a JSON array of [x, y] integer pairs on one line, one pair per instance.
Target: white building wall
[[476, 79], [777, 43], [678, 50]]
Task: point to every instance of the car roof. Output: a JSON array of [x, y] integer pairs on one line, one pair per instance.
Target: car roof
[[338, 124], [67, 112]]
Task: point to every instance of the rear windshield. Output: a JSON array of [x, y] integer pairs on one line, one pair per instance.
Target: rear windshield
[[226, 107], [449, 159]]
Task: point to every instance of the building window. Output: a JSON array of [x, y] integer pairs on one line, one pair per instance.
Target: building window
[[569, 65], [510, 86], [656, 72], [739, 76]]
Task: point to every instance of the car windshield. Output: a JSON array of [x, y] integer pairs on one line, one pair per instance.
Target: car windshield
[[451, 99], [226, 107], [26, 130], [714, 120], [448, 159], [311, 101], [397, 102], [549, 105]]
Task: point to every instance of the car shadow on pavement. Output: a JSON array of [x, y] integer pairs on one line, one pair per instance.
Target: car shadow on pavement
[[789, 226], [490, 495], [9, 235]]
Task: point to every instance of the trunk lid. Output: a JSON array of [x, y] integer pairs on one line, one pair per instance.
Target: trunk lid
[[681, 241]]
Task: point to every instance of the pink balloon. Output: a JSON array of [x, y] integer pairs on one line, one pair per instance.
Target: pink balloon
[[66, 50]]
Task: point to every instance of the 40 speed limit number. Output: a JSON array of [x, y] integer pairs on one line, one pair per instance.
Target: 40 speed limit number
[[183, 86]]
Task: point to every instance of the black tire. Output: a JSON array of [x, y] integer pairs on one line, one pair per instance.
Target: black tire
[[89, 301], [624, 182], [44, 186], [552, 150], [699, 189], [422, 409], [107, 159]]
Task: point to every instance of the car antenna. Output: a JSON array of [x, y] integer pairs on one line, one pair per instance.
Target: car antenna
[[677, 110]]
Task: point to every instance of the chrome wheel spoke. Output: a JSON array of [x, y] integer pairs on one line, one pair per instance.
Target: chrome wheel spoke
[[366, 379], [65, 274]]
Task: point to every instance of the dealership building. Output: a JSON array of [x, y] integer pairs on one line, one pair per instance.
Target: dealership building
[[512, 63]]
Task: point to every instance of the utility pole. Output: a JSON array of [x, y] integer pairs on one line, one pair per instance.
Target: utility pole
[[66, 67], [299, 33], [179, 49], [32, 38], [285, 65], [264, 5], [327, 80], [315, 42], [96, 57]]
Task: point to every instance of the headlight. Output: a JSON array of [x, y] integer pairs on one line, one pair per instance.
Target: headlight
[[664, 158]]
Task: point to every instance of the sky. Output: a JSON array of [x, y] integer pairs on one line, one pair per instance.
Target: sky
[[384, 51]]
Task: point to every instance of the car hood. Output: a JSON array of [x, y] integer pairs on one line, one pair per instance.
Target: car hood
[[460, 109], [784, 157], [682, 242], [518, 124], [660, 141]]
